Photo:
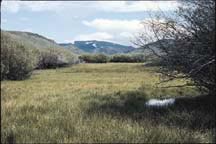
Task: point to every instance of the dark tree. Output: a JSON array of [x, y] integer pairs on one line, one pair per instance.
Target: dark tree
[[191, 52]]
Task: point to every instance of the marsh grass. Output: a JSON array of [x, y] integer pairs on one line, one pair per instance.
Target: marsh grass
[[101, 103], [187, 112]]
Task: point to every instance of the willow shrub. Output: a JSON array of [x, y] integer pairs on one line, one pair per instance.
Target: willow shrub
[[53, 58], [17, 60]]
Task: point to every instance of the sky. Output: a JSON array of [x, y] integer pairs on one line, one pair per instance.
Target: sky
[[69, 21]]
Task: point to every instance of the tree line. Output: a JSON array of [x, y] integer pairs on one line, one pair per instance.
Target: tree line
[[121, 58]]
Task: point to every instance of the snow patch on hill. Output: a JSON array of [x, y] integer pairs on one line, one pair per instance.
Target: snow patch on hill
[[88, 42], [94, 45]]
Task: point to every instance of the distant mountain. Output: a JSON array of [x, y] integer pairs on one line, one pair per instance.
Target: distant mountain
[[102, 47], [153, 45], [72, 48], [81, 47]]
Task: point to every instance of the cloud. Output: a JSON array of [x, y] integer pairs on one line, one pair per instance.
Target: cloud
[[43, 5], [54, 6], [117, 26], [114, 25], [11, 6], [123, 31], [94, 36], [137, 6], [36, 6], [108, 6]]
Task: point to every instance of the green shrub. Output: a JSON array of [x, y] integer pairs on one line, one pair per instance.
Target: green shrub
[[97, 58], [19, 57], [17, 61], [53, 58], [127, 58], [101, 58], [119, 58]]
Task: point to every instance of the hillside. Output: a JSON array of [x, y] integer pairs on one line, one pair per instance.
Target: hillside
[[37, 41], [72, 47], [33, 39], [102, 47]]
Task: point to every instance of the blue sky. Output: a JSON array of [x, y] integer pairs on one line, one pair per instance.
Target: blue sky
[[67, 21]]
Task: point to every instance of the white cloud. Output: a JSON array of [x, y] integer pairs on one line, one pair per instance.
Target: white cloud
[[93, 36], [117, 26], [136, 6], [109, 6], [122, 31], [42, 5], [36, 6], [114, 25], [11, 6]]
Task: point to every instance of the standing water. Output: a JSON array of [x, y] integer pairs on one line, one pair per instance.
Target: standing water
[[160, 103]]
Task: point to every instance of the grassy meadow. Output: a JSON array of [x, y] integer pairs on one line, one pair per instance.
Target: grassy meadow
[[100, 103]]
